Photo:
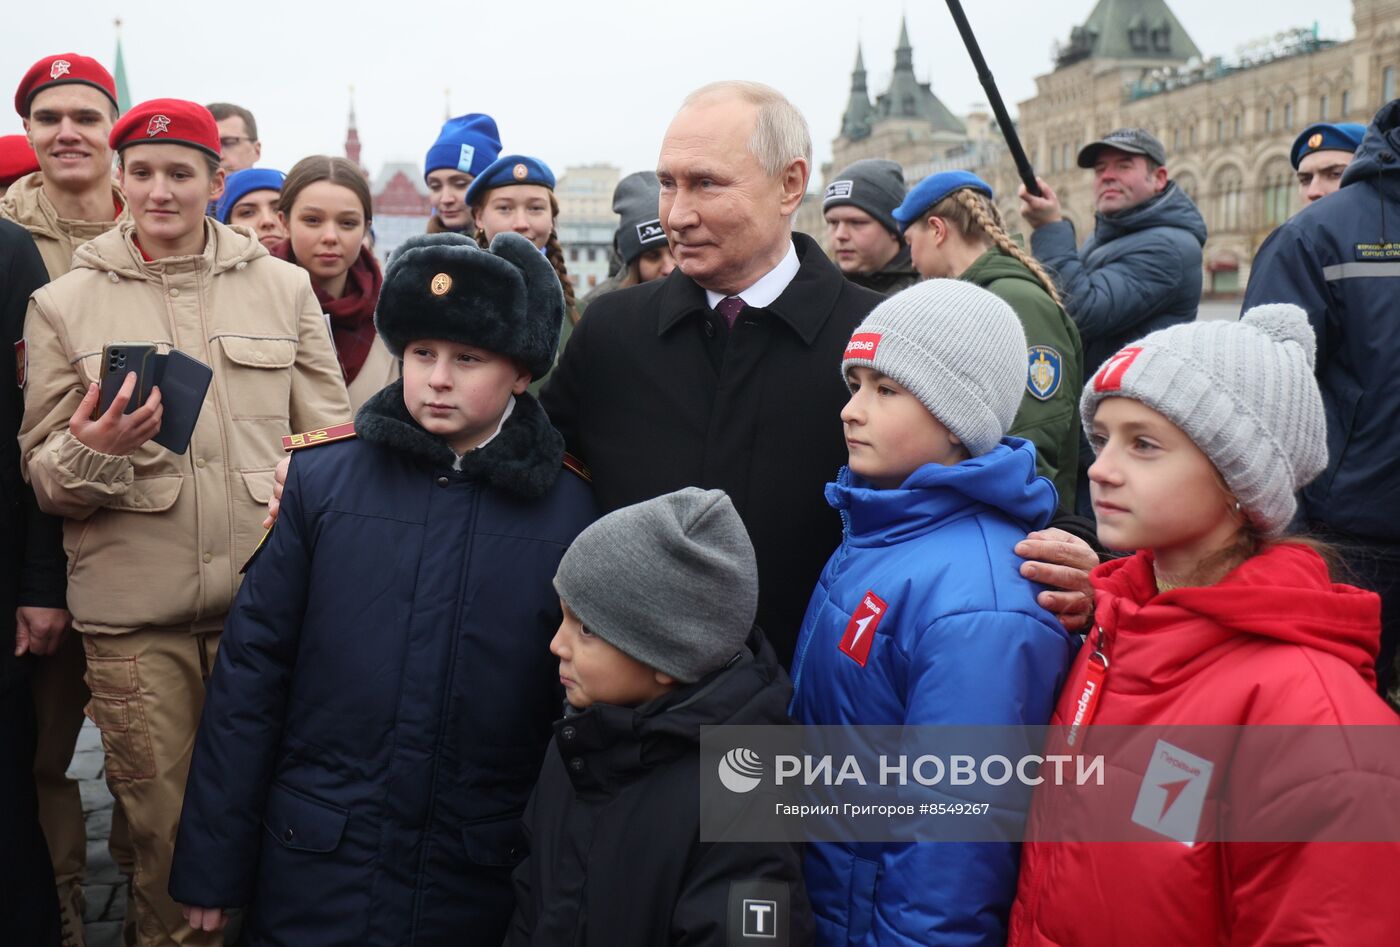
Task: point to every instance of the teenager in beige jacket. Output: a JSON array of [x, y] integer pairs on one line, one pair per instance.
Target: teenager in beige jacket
[[155, 539]]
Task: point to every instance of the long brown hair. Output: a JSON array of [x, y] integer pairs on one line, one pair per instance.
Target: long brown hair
[[976, 216], [553, 252], [336, 170]]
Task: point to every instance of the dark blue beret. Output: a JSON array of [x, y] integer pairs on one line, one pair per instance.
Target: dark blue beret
[[1326, 137], [511, 169]]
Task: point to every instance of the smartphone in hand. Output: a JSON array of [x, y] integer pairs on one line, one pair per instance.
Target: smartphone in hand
[[120, 359]]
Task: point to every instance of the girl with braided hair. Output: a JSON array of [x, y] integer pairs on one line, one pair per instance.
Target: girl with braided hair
[[955, 231]]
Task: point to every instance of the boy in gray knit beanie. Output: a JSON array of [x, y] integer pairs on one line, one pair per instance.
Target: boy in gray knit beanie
[[645, 582]]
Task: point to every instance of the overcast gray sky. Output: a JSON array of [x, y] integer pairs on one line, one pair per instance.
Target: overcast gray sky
[[570, 82]]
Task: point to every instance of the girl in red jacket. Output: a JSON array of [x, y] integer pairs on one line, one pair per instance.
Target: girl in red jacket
[[1203, 434]]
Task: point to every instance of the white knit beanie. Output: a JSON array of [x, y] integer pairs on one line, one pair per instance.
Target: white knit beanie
[[1244, 392], [957, 348]]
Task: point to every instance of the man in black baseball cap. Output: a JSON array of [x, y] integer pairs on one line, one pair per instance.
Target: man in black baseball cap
[[1140, 270]]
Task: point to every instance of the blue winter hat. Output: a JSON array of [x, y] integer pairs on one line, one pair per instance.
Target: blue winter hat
[[933, 189], [511, 169], [1325, 136], [466, 143], [240, 184]]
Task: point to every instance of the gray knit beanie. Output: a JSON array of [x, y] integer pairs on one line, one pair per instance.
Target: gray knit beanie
[[637, 200], [875, 185], [957, 348], [1244, 392], [670, 581]]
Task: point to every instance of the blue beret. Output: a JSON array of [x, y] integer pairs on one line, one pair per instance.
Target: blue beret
[[511, 169], [1326, 137], [466, 143], [933, 189], [240, 184]]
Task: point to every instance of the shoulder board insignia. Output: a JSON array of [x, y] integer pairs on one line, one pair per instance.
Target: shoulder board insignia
[[325, 435], [576, 466]]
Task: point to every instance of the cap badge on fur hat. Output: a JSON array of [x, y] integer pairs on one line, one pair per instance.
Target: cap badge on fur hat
[[441, 284], [1110, 377], [520, 172], [862, 345], [159, 125], [60, 67]]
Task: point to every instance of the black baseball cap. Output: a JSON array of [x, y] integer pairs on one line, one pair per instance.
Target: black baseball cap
[[1135, 141]]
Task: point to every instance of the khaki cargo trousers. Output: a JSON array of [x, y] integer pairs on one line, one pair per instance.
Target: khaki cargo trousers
[[147, 693]]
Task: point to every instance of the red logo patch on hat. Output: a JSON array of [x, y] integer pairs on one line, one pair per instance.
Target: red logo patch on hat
[[860, 631], [60, 67], [862, 345], [159, 125], [1110, 377]]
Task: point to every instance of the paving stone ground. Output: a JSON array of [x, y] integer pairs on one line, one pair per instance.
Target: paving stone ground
[[106, 888]]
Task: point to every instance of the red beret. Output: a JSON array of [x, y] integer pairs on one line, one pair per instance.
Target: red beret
[[60, 70], [167, 121], [16, 159]]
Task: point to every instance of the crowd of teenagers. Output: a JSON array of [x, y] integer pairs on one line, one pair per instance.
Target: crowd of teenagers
[[397, 652]]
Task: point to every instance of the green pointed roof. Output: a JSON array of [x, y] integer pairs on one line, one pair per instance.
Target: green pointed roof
[[855, 123], [907, 97], [1129, 29], [119, 75]]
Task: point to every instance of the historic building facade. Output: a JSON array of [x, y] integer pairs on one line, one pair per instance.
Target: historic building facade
[[1227, 127]]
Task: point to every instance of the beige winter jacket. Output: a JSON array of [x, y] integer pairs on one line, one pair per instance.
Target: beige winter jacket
[[56, 238], [156, 539], [380, 369]]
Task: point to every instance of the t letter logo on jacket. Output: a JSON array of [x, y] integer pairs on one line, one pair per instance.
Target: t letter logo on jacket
[[861, 629]]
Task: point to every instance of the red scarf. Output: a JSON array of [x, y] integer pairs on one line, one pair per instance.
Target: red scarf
[[352, 315]]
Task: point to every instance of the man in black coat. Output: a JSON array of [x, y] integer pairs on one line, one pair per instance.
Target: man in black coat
[[32, 585], [727, 373], [659, 389]]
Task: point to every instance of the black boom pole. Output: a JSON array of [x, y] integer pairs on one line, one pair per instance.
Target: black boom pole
[[989, 85]]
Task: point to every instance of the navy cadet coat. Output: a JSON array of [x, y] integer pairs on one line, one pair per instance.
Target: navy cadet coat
[[384, 692], [1339, 259]]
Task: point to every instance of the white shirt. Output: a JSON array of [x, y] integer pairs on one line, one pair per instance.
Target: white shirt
[[769, 286]]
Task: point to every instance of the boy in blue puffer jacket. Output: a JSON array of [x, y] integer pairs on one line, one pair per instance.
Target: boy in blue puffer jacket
[[384, 692], [921, 617]]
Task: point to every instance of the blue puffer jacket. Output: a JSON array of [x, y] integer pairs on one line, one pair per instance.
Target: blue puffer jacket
[[1339, 259], [1138, 272], [384, 692], [961, 640]]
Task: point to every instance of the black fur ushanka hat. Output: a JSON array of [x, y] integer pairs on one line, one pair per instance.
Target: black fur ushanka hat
[[443, 286]]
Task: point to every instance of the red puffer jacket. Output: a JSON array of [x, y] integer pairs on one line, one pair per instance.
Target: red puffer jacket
[[1274, 643]]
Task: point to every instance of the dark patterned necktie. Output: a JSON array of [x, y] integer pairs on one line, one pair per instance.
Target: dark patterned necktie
[[729, 307]]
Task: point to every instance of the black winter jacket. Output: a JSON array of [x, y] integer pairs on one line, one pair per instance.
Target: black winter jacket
[[384, 690], [613, 827], [650, 395], [33, 570]]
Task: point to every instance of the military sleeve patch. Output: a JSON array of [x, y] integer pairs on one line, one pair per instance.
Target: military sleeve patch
[[1045, 372], [759, 913]]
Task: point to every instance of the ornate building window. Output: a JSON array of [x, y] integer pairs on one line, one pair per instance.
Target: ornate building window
[[1387, 83], [1288, 115], [1229, 198], [1268, 119], [1322, 108], [1346, 103], [1280, 192], [1239, 125]]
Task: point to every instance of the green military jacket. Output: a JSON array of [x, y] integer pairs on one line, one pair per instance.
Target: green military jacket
[[1049, 412]]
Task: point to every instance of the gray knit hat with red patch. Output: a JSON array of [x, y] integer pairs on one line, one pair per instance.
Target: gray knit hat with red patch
[[957, 348], [1244, 392]]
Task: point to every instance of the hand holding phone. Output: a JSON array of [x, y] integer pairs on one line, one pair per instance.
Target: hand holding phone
[[115, 431]]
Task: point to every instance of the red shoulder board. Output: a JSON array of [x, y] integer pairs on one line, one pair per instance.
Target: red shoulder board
[[576, 466], [325, 435]]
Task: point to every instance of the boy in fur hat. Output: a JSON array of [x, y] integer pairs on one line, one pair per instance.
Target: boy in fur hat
[[384, 693]]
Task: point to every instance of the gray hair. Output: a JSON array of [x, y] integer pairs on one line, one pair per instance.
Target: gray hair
[[780, 133]]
